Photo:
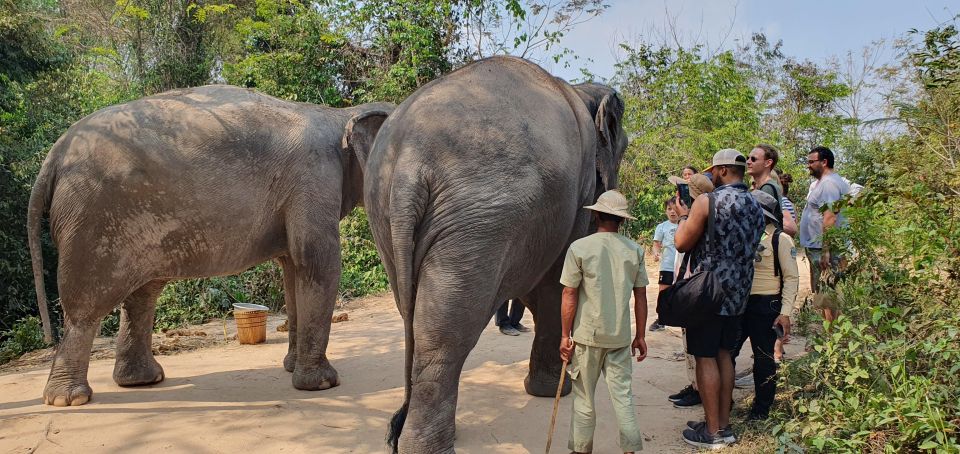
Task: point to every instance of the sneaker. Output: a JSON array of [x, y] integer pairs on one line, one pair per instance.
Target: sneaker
[[509, 331], [726, 432], [656, 326], [701, 439], [744, 382], [756, 415], [683, 393], [690, 400], [521, 328]]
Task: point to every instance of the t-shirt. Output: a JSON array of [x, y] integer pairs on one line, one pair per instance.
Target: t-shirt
[[788, 205], [764, 281], [829, 189], [606, 267], [664, 233], [739, 223]]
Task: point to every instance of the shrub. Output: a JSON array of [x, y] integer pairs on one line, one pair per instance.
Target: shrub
[[361, 272], [24, 336]]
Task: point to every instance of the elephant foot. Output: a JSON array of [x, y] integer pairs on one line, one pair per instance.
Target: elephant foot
[[137, 373], [64, 394], [545, 385], [315, 378], [290, 362]]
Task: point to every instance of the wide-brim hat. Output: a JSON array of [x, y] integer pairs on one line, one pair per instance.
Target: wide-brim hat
[[612, 202], [768, 204], [727, 157], [698, 184]]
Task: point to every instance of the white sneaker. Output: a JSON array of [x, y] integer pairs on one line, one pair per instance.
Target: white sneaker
[[744, 382]]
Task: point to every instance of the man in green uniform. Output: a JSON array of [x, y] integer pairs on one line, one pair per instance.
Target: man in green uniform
[[600, 273]]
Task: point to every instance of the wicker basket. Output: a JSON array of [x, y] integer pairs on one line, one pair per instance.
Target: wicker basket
[[251, 322]]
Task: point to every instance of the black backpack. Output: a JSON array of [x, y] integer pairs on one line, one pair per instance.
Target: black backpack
[[696, 299]]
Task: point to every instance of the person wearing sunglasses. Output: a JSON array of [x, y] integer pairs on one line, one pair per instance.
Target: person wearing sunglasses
[[829, 189], [760, 165]]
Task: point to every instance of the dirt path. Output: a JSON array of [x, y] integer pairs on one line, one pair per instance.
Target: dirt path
[[232, 398]]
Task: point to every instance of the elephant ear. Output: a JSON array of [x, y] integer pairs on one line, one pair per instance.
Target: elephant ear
[[607, 119], [360, 132]]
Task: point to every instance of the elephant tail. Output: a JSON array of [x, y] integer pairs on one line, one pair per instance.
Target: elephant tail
[[406, 213], [39, 202]]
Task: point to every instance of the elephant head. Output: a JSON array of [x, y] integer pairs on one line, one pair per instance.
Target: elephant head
[[358, 137], [607, 109]]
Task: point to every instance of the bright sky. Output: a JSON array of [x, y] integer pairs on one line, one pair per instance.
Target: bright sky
[[810, 29]]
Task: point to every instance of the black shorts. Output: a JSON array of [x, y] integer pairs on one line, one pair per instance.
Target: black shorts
[[666, 278], [720, 333]]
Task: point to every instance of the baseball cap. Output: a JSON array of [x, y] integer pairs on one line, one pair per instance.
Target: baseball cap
[[728, 157]]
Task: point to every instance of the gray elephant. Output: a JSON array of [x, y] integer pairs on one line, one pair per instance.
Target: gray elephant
[[190, 183], [480, 177]]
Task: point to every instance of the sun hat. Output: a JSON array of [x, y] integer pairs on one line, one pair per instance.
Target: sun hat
[[768, 203], [700, 184], [727, 157], [612, 202]]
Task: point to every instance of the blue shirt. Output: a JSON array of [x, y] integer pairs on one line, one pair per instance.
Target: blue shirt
[[828, 190], [664, 233], [739, 225]]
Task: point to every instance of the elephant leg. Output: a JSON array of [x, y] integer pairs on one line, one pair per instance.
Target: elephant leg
[[135, 362], [317, 297], [447, 324], [545, 364], [314, 253], [67, 384], [290, 299]]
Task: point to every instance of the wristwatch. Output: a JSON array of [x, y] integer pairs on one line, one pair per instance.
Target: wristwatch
[[683, 218]]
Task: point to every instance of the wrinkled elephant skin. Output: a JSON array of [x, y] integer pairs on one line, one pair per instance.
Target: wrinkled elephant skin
[[475, 187], [191, 183]]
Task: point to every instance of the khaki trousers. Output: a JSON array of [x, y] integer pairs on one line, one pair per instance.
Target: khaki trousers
[[615, 364]]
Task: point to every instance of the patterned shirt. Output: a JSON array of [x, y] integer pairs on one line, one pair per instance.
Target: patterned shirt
[[788, 205], [739, 225]]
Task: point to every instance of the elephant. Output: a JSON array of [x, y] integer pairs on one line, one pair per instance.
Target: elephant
[[480, 179], [194, 183]]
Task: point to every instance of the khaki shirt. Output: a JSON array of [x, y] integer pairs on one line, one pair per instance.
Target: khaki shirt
[[606, 267], [764, 282]]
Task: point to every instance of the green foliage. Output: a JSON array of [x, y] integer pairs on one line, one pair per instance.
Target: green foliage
[[196, 301], [289, 51], [882, 378], [681, 107], [24, 336], [362, 273]]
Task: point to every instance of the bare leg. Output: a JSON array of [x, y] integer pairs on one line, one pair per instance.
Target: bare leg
[[726, 373], [290, 299], [708, 379], [135, 363]]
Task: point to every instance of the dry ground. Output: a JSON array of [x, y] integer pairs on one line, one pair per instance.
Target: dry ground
[[223, 397]]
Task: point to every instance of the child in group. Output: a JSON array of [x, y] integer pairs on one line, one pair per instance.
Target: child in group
[[664, 250]]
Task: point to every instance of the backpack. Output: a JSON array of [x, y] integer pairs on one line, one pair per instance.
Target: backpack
[[777, 271], [691, 301]]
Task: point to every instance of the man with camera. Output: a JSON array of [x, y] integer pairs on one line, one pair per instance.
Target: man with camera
[[729, 255]]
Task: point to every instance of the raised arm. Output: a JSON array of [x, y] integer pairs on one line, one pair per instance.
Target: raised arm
[[689, 231]]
